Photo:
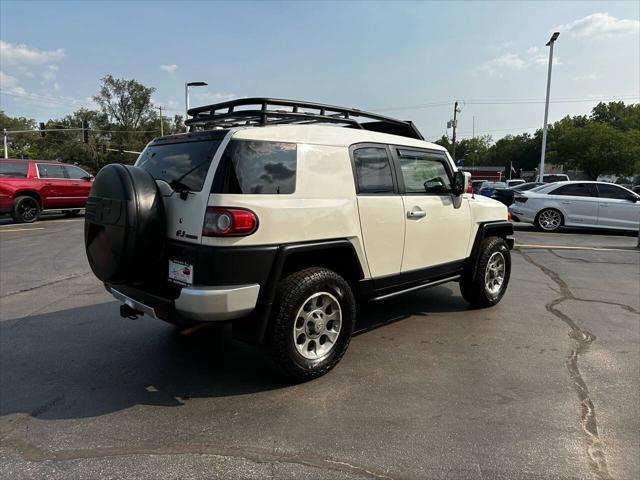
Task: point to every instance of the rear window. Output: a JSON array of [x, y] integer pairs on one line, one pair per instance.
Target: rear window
[[13, 170], [184, 165], [257, 167]]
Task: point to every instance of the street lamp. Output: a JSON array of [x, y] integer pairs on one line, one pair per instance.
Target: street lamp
[[186, 95], [550, 43]]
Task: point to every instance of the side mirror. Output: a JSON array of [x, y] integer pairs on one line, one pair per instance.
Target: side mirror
[[88, 178], [633, 198], [459, 184]]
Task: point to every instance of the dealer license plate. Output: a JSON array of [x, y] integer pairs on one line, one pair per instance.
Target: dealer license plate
[[180, 272]]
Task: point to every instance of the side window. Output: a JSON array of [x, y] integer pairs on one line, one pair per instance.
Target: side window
[[76, 173], [423, 173], [612, 191], [46, 170], [373, 170], [257, 167], [573, 190]]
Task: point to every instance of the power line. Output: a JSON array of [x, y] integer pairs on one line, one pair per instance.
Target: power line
[[512, 101]]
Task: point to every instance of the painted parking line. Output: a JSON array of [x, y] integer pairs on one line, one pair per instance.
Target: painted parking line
[[43, 222], [4, 230], [570, 247]]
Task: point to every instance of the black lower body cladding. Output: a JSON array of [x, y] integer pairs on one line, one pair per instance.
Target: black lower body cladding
[[125, 222]]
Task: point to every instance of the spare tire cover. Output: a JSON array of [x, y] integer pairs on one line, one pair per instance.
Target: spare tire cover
[[124, 227]]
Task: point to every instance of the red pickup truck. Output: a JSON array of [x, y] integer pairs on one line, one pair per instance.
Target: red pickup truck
[[28, 187]]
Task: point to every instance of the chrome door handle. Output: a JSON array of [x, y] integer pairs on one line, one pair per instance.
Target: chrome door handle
[[416, 214]]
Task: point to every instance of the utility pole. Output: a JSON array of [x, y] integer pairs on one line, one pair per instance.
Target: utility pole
[[161, 126], [6, 151], [455, 112], [550, 43]]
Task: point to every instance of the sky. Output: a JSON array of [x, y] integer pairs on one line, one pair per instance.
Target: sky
[[409, 60]]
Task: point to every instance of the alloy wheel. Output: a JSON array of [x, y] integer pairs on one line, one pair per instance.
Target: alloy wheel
[[317, 326]]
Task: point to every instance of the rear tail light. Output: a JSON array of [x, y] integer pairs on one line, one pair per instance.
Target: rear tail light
[[469, 188], [520, 199], [225, 222]]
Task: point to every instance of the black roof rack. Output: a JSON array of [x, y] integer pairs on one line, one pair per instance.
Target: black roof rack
[[265, 111]]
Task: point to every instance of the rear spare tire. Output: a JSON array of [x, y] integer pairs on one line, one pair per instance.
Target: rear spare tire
[[124, 226]]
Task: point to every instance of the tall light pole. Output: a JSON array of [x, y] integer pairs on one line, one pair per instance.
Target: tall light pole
[[550, 43], [186, 95]]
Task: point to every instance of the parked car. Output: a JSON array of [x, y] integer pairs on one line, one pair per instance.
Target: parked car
[[29, 187], [476, 185], [505, 195], [488, 188], [514, 182], [278, 226], [555, 177], [578, 204]]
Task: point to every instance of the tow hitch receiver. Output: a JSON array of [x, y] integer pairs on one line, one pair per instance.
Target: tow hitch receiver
[[131, 313]]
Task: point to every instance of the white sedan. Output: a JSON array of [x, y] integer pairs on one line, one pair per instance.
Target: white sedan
[[578, 204]]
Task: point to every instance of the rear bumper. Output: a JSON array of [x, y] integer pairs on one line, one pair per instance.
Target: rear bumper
[[522, 214], [200, 304]]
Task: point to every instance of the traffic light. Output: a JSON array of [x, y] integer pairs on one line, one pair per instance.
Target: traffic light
[[85, 131], [42, 129]]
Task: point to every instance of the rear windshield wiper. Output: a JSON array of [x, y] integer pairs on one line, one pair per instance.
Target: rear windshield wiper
[[178, 186]]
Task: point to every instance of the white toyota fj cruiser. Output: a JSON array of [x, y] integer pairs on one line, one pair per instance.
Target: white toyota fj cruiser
[[278, 216]]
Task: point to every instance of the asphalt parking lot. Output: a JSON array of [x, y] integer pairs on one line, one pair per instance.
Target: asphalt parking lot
[[545, 385]]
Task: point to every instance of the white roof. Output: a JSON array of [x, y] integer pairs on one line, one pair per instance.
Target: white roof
[[327, 135]]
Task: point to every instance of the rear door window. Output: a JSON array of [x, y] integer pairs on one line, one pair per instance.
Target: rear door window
[[257, 167], [13, 170], [46, 170], [373, 170], [574, 190], [613, 191], [184, 166]]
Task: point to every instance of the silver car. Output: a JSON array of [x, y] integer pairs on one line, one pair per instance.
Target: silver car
[[578, 204]]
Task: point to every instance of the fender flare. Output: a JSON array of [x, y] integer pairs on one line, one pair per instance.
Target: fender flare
[[254, 330], [501, 228]]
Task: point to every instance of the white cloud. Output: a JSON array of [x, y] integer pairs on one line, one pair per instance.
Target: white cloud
[[11, 84], [501, 46], [50, 73], [169, 68], [211, 97], [587, 76], [600, 24], [532, 50], [20, 54], [541, 59], [508, 61]]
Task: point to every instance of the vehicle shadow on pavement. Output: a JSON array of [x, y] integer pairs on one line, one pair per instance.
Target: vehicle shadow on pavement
[[87, 362]]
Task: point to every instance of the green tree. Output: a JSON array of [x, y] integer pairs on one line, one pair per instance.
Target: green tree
[[127, 103], [618, 115], [474, 151], [19, 144], [599, 148]]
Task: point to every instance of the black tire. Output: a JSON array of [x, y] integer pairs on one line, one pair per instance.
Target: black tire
[[124, 225], [475, 289], [71, 213], [26, 209], [547, 225], [293, 294]]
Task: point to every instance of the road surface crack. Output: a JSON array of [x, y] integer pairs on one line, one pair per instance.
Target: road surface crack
[[582, 339], [53, 282], [258, 455]]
